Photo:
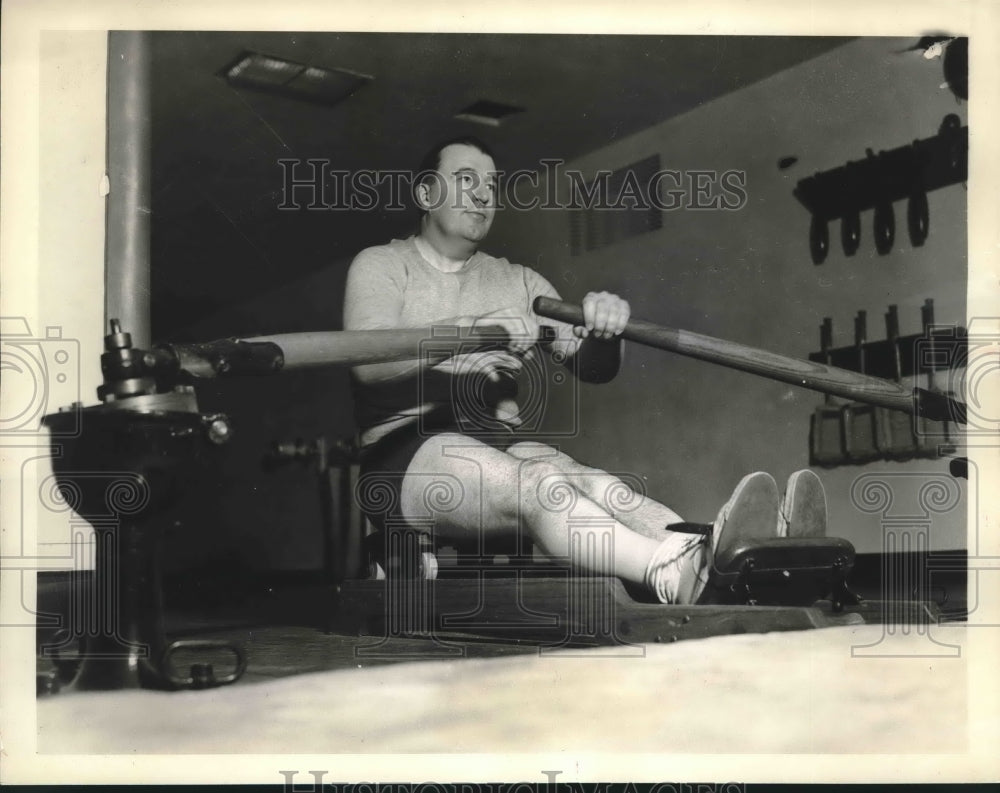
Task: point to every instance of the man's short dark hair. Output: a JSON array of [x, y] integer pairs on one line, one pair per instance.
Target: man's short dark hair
[[432, 160]]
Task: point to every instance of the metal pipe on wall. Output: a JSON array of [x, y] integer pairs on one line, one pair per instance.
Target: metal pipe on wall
[[126, 254]]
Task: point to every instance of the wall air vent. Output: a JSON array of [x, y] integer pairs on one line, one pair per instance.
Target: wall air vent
[[614, 206], [487, 113], [293, 80]]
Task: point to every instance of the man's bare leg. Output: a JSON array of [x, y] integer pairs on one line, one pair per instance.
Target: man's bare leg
[[497, 492], [641, 514]]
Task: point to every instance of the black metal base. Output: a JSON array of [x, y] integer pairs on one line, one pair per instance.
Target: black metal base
[[128, 473]]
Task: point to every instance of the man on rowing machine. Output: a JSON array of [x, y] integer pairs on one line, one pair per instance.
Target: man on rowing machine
[[413, 428]]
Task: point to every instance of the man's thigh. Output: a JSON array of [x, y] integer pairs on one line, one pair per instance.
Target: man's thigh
[[462, 486]]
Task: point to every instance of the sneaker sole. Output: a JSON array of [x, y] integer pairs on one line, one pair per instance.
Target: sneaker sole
[[803, 510], [751, 513]]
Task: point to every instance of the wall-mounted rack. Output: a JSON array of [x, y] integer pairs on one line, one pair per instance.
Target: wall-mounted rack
[[907, 172], [852, 433]]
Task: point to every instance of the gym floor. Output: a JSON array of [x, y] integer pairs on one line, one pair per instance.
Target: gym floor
[[844, 689]]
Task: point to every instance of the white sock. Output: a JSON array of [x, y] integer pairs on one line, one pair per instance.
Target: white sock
[[678, 569]]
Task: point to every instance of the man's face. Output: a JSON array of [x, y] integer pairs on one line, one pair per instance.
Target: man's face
[[462, 201]]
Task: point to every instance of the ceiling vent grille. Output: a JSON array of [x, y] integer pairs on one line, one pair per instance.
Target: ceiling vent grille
[[293, 80], [487, 113]]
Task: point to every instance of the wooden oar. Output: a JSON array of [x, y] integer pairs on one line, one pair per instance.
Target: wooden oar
[[807, 374]]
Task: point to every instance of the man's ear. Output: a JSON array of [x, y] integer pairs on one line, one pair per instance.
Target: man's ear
[[424, 195]]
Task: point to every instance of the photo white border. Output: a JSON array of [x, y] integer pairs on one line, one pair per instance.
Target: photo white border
[[23, 20]]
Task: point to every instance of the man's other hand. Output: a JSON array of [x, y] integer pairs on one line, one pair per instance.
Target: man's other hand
[[521, 327]]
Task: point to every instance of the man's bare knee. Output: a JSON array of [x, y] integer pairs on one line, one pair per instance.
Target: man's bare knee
[[531, 450], [544, 488], [548, 499]]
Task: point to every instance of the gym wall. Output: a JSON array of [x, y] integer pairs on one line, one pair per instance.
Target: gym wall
[[689, 429], [692, 429]]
